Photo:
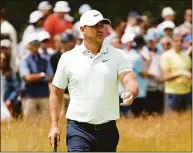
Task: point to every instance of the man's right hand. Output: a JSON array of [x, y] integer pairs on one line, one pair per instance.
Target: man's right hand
[[54, 132]]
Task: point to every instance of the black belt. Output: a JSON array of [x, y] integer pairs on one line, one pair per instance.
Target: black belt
[[94, 126]]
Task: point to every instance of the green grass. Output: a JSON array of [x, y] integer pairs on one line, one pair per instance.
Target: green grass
[[166, 133]]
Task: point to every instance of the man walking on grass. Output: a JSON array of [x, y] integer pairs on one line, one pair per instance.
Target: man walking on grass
[[91, 72]]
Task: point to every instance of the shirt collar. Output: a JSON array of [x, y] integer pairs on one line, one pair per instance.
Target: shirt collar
[[103, 50]]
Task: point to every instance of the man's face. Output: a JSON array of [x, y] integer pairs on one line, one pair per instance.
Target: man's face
[[188, 15], [177, 42], [33, 46], [68, 45], [94, 34], [45, 43], [168, 32]]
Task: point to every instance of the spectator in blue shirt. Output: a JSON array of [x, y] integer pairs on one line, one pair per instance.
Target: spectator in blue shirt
[[9, 83], [140, 69], [36, 73]]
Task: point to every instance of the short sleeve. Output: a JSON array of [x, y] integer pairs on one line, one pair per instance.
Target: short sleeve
[[124, 65], [138, 65], [24, 69], [61, 76]]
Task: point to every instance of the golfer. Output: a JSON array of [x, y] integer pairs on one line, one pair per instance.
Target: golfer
[[91, 72]]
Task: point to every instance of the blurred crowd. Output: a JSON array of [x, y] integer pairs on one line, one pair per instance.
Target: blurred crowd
[[160, 55]]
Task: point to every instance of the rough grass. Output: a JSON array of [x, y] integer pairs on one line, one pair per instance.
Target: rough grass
[[167, 133]]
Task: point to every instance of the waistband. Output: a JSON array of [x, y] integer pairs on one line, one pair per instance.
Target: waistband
[[94, 126]]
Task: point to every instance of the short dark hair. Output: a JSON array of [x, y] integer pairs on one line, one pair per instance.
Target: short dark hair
[[2, 13], [117, 22]]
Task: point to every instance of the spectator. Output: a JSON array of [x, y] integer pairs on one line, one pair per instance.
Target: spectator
[[168, 27], [168, 14], [176, 66], [116, 42], [10, 84], [188, 44], [35, 26], [35, 74], [140, 71], [154, 73], [9, 30], [119, 28], [132, 23], [5, 46], [45, 7], [67, 43], [186, 27], [44, 50], [55, 23]]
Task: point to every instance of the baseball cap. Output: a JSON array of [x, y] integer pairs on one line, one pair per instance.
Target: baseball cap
[[62, 6], [5, 43], [127, 37], [35, 16], [92, 17], [44, 5], [167, 11], [168, 24], [43, 35], [33, 37], [152, 34], [66, 36], [83, 8], [133, 14]]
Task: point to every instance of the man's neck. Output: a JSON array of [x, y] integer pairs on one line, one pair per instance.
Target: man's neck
[[177, 50], [94, 48]]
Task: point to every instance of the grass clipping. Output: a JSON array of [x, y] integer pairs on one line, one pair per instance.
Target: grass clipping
[[167, 133]]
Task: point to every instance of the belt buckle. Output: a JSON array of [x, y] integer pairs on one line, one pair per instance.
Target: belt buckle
[[96, 127]]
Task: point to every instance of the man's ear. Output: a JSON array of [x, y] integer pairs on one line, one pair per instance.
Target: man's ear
[[82, 29]]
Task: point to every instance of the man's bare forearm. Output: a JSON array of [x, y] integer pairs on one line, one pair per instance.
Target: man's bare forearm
[[55, 104], [130, 83]]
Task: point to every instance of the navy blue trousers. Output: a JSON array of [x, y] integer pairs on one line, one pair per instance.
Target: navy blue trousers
[[84, 137]]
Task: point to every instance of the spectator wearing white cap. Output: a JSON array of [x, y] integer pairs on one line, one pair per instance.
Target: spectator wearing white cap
[[76, 27], [152, 56], [56, 22], [132, 23], [8, 29], [91, 72], [168, 27], [35, 73], [45, 7], [35, 26], [45, 51], [185, 28], [168, 14]]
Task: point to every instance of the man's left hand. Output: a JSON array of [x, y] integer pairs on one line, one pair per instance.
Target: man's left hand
[[127, 99]]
